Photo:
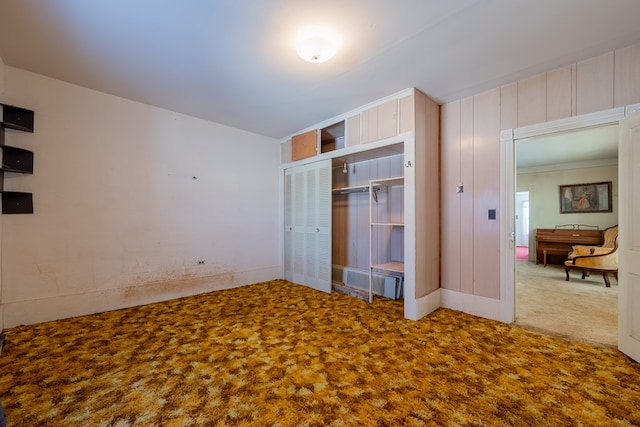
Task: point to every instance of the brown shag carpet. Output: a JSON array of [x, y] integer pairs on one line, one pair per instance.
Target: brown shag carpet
[[279, 354]]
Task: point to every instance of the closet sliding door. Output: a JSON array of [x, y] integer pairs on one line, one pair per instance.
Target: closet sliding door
[[307, 248]]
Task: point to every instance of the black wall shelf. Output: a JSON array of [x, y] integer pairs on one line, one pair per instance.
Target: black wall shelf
[[17, 118], [14, 159], [15, 202]]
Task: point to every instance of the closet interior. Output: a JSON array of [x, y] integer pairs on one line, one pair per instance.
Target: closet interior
[[368, 226]]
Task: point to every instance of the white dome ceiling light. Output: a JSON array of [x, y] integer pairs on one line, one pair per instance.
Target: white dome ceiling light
[[317, 44]]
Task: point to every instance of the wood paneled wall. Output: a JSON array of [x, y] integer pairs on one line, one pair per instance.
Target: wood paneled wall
[[470, 138]]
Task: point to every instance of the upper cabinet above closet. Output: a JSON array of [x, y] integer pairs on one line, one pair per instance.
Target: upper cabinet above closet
[[378, 121]]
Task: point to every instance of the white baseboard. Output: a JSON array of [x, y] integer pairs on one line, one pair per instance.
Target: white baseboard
[[473, 304], [419, 308], [65, 306]]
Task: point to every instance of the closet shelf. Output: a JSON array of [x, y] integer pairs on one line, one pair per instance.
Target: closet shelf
[[391, 266], [389, 182], [15, 126]]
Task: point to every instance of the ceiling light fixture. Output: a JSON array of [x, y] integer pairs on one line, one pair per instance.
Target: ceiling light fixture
[[317, 44]]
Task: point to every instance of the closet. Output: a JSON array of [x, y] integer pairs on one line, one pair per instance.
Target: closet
[[368, 197], [307, 228], [361, 210]]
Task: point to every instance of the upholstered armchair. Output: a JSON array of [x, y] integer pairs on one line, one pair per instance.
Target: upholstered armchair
[[610, 236], [601, 259]]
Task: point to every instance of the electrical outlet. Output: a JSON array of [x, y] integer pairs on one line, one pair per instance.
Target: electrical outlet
[[492, 214], [200, 262]]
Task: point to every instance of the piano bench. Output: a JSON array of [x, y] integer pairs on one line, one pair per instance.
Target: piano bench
[[553, 251]]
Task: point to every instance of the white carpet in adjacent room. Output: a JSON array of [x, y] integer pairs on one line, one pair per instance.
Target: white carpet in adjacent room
[[583, 310]]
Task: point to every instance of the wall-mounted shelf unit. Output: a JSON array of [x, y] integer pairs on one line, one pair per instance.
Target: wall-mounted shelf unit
[[14, 159]]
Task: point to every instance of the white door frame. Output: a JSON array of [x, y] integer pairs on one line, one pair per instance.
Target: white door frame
[[629, 253], [508, 139]]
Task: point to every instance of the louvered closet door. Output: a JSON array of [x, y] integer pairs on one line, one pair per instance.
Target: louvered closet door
[[288, 226], [308, 225]]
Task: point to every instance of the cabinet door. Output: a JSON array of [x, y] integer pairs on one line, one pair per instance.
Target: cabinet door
[[388, 119], [380, 122], [407, 114], [304, 145], [308, 225], [353, 131], [369, 125]]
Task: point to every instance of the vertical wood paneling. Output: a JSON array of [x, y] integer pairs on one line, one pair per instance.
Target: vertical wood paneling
[[434, 236], [339, 224], [595, 84], [466, 200], [369, 125], [509, 106], [576, 89], [352, 229], [627, 76], [532, 100], [407, 114], [450, 200], [339, 230], [559, 93], [486, 168], [285, 152], [363, 172], [387, 119], [353, 130], [427, 213]]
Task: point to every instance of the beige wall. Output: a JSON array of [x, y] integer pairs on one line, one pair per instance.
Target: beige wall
[[128, 198], [471, 153], [543, 191]]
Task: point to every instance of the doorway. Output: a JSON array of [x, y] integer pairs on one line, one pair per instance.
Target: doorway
[[581, 309], [522, 225], [509, 141]]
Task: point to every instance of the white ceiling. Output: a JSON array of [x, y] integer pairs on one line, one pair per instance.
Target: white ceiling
[[233, 61], [595, 146]]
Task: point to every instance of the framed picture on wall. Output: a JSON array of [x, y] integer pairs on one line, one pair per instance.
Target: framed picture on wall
[[585, 198]]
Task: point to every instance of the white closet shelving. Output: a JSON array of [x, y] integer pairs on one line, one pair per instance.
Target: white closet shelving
[[386, 235]]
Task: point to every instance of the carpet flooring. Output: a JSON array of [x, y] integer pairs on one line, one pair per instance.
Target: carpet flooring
[[522, 252], [279, 354], [580, 309]]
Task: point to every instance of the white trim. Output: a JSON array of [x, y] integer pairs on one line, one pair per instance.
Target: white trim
[[418, 308], [631, 109], [571, 123], [629, 256], [488, 308], [507, 226]]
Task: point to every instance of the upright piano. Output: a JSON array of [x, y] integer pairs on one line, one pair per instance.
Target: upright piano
[[557, 243]]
